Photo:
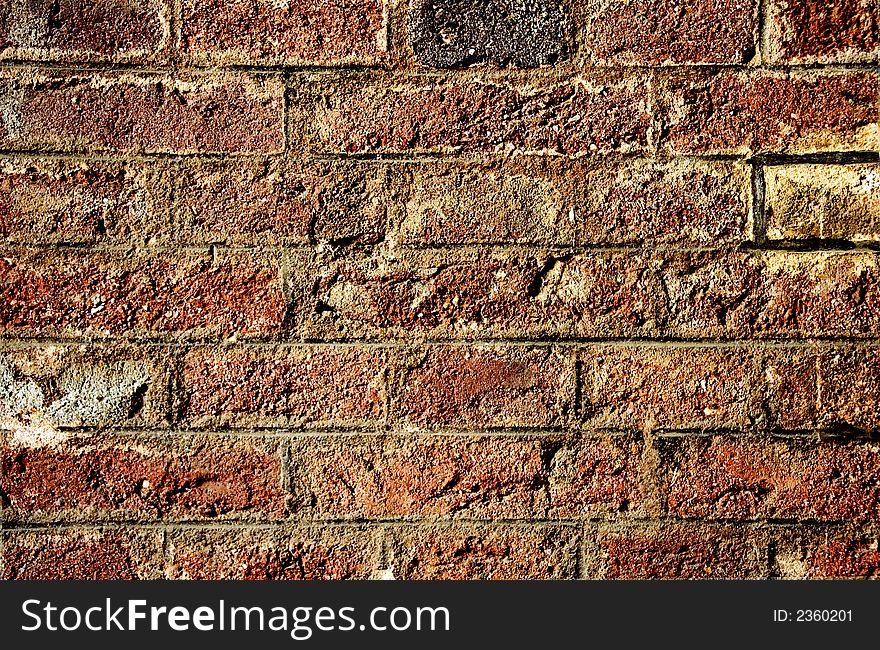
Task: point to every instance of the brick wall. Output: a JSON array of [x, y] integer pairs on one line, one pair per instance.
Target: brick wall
[[546, 289]]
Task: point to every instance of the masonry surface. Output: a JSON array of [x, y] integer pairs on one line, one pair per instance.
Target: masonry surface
[[439, 289]]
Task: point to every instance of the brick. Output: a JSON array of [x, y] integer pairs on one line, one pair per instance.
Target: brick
[[79, 28], [58, 202], [285, 32], [486, 553], [773, 294], [71, 293], [451, 476], [141, 113], [284, 386], [677, 552], [473, 295], [47, 389], [389, 116], [748, 478], [694, 203], [816, 554], [650, 32], [270, 204], [486, 387], [797, 112], [810, 31], [849, 393], [82, 554], [698, 387], [335, 553], [146, 478], [823, 202], [454, 33]]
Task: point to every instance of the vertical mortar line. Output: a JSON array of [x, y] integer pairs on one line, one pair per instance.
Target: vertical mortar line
[[759, 216], [174, 9], [286, 80], [167, 553], [759, 36]]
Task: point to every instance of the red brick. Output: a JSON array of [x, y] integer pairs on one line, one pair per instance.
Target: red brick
[[472, 295], [73, 293], [262, 203], [285, 31], [273, 554], [678, 552], [54, 202], [823, 201], [698, 387], [486, 553], [748, 478], [644, 32], [773, 293], [189, 478], [82, 555], [538, 202], [486, 478], [849, 394], [813, 554], [49, 389], [284, 386], [80, 27], [807, 31], [384, 116], [486, 387], [740, 112], [141, 113]]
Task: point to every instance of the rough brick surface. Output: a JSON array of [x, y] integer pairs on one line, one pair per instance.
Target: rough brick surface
[[137, 113], [807, 31], [110, 294], [740, 478], [118, 478], [840, 202], [281, 31], [81, 27], [811, 555], [453, 33], [849, 388], [798, 112], [572, 117], [659, 31]]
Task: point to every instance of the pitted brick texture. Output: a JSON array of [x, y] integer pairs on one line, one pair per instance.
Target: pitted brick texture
[[436, 289]]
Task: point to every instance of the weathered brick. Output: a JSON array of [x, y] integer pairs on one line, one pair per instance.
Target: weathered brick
[[795, 112], [271, 204], [387, 116], [630, 202], [698, 387], [486, 553], [470, 295], [810, 554], [849, 389], [484, 478], [808, 31], [141, 113], [644, 32], [124, 478], [677, 552], [748, 478], [284, 386], [455, 33], [73, 554], [284, 31], [823, 201], [337, 553], [774, 293], [486, 387], [46, 389], [76, 28], [59, 202], [70, 293]]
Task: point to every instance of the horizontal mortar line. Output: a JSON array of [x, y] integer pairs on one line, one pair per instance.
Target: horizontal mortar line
[[122, 155], [770, 434], [156, 67], [818, 158], [196, 344]]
